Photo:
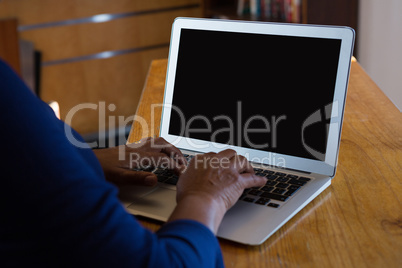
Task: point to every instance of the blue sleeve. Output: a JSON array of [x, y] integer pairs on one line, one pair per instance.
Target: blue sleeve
[[58, 210]]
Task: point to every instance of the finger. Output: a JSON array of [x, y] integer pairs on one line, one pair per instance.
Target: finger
[[175, 154], [203, 160], [223, 158], [244, 165], [251, 180], [164, 161], [205, 155], [228, 153], [241, 164], [171, 150], [161, 145]]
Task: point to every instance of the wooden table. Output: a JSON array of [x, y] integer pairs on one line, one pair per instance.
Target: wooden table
[[357, 221]]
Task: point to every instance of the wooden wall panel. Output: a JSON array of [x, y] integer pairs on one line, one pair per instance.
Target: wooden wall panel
[[44, 11], [118, 80], [126, 33], [9, 46], [69, 76]]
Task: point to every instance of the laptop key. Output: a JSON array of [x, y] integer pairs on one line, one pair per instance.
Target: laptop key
[[271, 177], [262, 201], [275, 196], [279, 191], [280, 174], [304, 179], [282, 179], [297, 182], [271, 183], [159, 171], [255, 192], [248, 199], [282, 185], [274, 205], [294, 187], [290, 192], [267, 188]]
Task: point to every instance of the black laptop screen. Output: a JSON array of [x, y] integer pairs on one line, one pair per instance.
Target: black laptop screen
[[265, 92]]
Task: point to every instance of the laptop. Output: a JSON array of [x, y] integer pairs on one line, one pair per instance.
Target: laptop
[[272, 92]]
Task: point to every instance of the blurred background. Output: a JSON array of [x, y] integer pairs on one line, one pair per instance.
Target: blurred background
[[92, 56]]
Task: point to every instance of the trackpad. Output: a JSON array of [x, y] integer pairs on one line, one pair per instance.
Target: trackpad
[[158, 204]]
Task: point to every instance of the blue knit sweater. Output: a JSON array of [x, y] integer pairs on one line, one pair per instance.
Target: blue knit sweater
[[56, 208]]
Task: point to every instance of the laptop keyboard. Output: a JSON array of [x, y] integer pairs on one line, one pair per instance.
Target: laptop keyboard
[[279, 188]]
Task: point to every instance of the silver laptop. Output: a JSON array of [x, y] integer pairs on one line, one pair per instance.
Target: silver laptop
[[273, 92]]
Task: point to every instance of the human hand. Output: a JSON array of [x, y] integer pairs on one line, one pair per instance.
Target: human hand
[[211, 184], [118, 162]]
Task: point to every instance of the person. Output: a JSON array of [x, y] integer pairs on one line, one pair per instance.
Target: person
[[59, 205]]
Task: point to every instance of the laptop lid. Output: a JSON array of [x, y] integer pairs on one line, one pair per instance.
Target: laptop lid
[[273, 92]]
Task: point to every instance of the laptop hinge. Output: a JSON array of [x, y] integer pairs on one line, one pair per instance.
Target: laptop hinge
[[266, 166]]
